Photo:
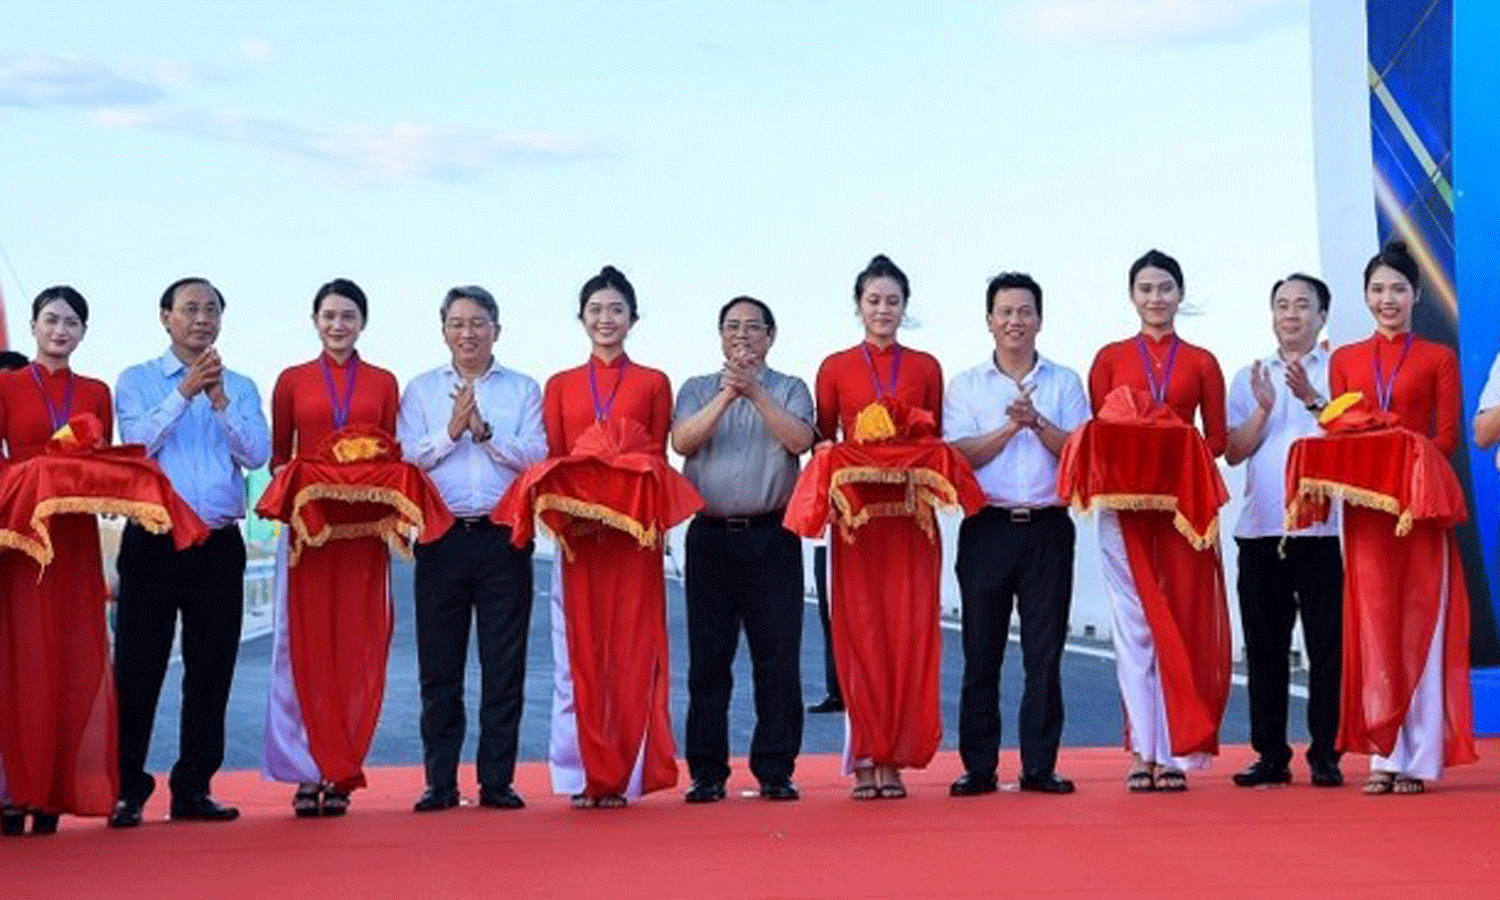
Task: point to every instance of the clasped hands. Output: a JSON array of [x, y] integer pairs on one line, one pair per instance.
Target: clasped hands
[[466, 415], [205, 376]]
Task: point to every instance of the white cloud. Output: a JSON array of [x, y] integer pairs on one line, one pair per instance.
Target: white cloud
[[257, 49], [38, 80], [1136, 22], [365, 152]]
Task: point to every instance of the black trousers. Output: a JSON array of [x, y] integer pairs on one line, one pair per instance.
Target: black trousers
[[206, 586], [1028, 565], [472, 574], [750, 576], [1273, 590], [820, 583]]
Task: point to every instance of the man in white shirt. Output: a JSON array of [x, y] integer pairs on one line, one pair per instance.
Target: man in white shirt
[[1010, 417], [1273, 402], [473, 426]]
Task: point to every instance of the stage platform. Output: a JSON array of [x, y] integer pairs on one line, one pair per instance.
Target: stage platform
[[1216, 840]]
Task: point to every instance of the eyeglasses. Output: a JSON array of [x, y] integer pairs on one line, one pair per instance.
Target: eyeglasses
[[749, 327], [478, 326]]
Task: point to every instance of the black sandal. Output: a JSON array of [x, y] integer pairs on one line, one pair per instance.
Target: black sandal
[[1171, 781], [306, 802], [335, 803], [1140, 781], [583, 801]]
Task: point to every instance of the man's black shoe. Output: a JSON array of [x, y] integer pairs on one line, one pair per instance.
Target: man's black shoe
[[127, 814], [202, 808], [829, 704], [970, 784], [1046, 783], [433, 800], [705, 791], [1261, 772], [1326, 774], [779, 789], [501, 798]]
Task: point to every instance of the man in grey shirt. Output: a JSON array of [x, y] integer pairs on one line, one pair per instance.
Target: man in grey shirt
[[741, 430]]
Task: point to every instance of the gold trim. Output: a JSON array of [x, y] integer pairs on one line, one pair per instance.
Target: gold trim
[[646, 536], [1326, 489], [151, 516], [398, 531], [926, 490], [1209, 537]]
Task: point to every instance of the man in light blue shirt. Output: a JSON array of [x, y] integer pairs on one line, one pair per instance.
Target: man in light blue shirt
[[204, 426]]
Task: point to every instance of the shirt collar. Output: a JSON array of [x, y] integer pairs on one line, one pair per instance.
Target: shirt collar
[[170, 364], [992, 368], [1157, 342], [495, 367], [1393, 341], [1318, 355], [619, 361], [880, 351]]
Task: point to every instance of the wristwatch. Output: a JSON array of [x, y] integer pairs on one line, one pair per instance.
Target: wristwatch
[[1316, 405], [489, 432]]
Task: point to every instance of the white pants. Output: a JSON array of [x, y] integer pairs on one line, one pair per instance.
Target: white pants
[[563, 756], [1135, 657], [1419, 743]]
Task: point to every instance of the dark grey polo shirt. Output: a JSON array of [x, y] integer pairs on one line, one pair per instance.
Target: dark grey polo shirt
[[742, 470]]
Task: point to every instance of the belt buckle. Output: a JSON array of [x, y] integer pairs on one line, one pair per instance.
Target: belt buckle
[[737, 523], [1020, 515]]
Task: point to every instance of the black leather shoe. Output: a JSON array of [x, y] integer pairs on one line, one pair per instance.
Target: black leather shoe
[[1261, 772], [501, 798], [12, 821], [202, 808], [433, 800], [1046, 783], [704, 791], [1326, 774], [828, 704], [44, 823], [779, 789], [971, 784], [127, 814]]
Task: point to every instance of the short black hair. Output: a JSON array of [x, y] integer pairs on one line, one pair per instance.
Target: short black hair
[[1396, 256], [344, 288], [765, 311], [10, 359], [1156, 260], [1008, 281], [66, 293], [169, 296], [881, 267], [608, 277], [1325, 297]]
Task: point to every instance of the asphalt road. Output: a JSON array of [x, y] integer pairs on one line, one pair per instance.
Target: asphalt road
[[1089, 689]]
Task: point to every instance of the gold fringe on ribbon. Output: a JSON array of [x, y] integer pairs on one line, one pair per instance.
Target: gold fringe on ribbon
[[1157, 503], [398, 531], [645, 535], [151, 516], [1323, 489], [926, 490]]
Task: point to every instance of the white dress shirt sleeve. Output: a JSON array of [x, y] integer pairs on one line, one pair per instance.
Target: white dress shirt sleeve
[[244, 424], [423, 445], [1489, 398], [527, 445], [1242, 400], [959, 420], [141, 421]]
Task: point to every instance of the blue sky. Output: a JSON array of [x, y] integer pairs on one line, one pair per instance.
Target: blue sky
[[708, 149]]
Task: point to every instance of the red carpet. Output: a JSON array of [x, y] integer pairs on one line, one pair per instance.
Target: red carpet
[[1215, 840]]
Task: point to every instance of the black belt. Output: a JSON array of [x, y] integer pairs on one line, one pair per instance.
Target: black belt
[[474, 523], [1024, 515], [743, 523]]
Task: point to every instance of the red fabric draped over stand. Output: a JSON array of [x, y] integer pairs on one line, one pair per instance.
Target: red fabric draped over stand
[[344, 504], [58, 738], [608, 505], [886, 562], [1138, 458], [1401, 501]]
